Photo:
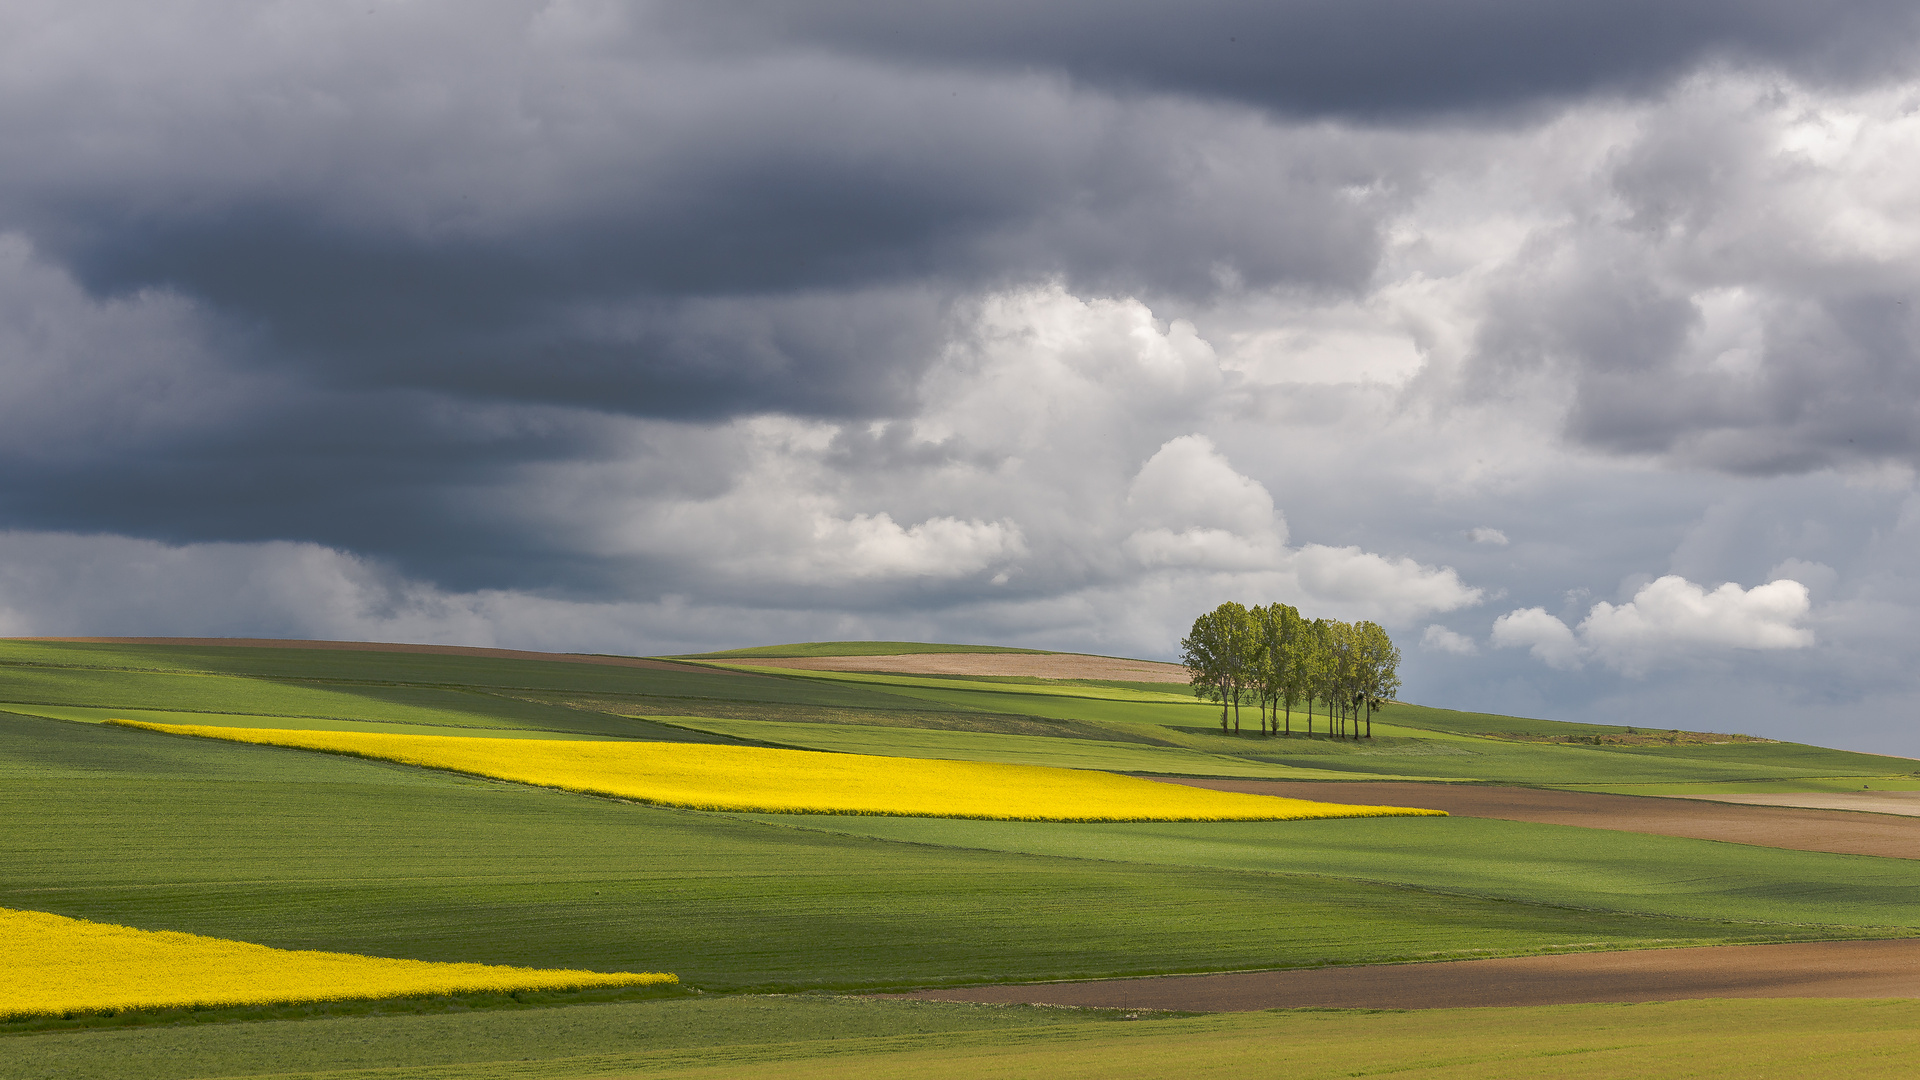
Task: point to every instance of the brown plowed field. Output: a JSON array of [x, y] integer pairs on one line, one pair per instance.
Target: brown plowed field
[[1839, 831], [1824, 969], [379, 646], [1026, 665]]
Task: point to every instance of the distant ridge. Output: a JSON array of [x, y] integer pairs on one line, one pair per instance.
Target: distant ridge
[[365, 646], [852, 648]]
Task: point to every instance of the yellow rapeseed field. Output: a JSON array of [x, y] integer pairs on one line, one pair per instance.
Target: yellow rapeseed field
[[744, 778], [56, 965]]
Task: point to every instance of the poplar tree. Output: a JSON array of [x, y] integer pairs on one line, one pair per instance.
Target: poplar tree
[[1220, 652], [1282, 647], [1284, 660], [1377, 662], [1203, 651]]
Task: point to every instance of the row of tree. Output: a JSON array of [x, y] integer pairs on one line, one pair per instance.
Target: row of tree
[[1272, 658]]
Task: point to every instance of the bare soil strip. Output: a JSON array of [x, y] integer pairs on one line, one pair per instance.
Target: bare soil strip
[[1025, 665], [1824, 969], [1838, 831], [384, 646], [1903, 803]]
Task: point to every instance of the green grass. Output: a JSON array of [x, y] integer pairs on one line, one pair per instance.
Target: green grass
[[837, 1038], [304, 850], [502, 1034], [407, 688], [972, 689], [630, 731], [1154, 686], [854, 648], [1483, 857], [268, 671], [300, 850], [1410, 740], [430, 691], [1568, 766], [989, 746], [932, 719]]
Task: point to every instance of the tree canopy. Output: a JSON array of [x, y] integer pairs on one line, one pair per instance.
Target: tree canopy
[[1274, 658]]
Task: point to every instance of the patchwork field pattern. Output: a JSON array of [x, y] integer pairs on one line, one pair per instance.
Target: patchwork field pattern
[[744, 778], [58, 965], [363, 855]]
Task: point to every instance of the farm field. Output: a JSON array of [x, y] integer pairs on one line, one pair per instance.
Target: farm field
[[1697, 817], [1801, 969], [1603, 869], [863, 1038], [859, 648], [293, 849], [767, 780], [993, 746], [310, 851], [60, 966]]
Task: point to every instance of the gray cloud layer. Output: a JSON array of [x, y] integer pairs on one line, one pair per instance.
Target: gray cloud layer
[[638, 326], [1364, 59]]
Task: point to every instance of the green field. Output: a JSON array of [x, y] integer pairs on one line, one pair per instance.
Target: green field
[[854, 648], [991, 746], [864, 1039], [303, 850], [314, 851], [1603, 869]]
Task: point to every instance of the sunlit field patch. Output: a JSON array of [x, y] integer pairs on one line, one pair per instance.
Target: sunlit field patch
[[741, 778], [57, 965]]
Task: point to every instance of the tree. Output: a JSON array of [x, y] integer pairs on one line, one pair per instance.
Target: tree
[[1315, 668], [1282, 649], [1275, 650], [1204, 652], [1284, 660], [1220, 653], [1376, 668], [1242, 637], [1337, 676]]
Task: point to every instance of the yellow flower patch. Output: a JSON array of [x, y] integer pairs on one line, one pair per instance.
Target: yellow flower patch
[[744, 778], [57, 965]]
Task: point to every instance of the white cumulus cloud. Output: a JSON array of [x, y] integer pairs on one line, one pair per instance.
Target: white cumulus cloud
[[1549, 639], [874, 546], [1441, 639], [1668, 618], [1384, 589], [1197, 511]]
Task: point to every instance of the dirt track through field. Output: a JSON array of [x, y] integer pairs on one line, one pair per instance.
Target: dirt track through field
[[1824, 969], [1024, 665], [1904, 803], [383, 646], [1841, 831]]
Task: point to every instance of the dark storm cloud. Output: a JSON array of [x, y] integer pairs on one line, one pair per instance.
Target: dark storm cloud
[[689, 211], [393, 474], [1349, 58], [399, 260], [734, 236], [1727, 297]]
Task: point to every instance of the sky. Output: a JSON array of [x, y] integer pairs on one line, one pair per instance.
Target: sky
[[1574, 343]]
